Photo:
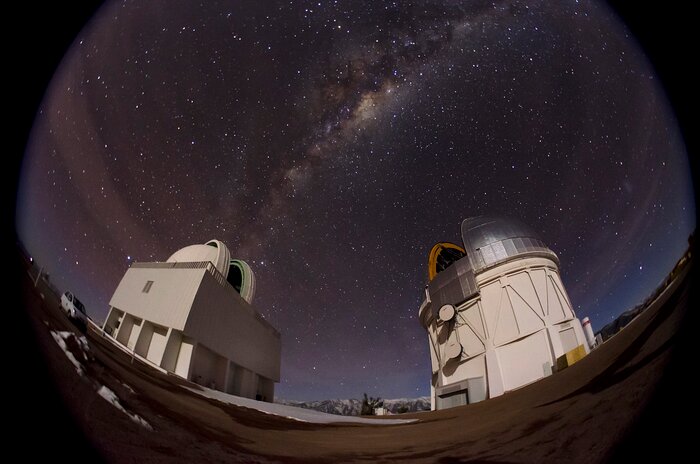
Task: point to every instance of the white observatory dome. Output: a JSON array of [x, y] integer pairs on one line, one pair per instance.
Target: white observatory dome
[[214, 251], [236, 271]]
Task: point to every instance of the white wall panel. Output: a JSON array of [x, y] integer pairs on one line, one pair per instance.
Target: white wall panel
[[528, 319], [568, 339], [143, 339], [228, 325], [490, 302], [471, 343], [474, 367], [539, 280], [135, 333], [507, 326], [510, 328], [157, 347], [473, 317], [562, 296], [184, 358], [522, 361], [169, 299], [172, 349], [523, 285], [556, 309], [124, 330]]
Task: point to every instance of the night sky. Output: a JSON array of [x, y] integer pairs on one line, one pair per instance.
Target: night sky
[[331, 144]]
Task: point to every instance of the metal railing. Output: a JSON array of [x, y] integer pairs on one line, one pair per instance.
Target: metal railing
[[188, 265]]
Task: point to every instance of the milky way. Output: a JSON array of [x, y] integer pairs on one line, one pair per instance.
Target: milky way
[[331, 144]]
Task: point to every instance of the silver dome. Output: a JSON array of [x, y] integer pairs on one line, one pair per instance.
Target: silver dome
[[489, 240]]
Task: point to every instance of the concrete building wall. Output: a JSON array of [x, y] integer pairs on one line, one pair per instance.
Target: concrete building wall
[[135, 332], [172, 350], [494, 380], [143, 339], [510, 334], [188, 320], [456, 371], [236, 379], [521, 300], [156, 349], [266, 389], [167, 300], [112, 321], [231, 379], [249, 383], [568, 339], [233, 329], [555, 340], [185, 357], [581, 335], [123, 332], [522, 362], [208, 368]]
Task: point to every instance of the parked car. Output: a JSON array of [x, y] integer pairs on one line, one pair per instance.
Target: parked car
[[75, 309]]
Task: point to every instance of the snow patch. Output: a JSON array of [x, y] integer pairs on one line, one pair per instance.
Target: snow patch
[[60, 339], [112, 398], [291, 412], [82, 341]]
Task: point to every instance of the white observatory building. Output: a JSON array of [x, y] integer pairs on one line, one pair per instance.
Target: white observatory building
[[496, 312], [192, 316]]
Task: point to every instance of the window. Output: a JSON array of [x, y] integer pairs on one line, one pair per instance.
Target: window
[[79, 305], [147, 287]]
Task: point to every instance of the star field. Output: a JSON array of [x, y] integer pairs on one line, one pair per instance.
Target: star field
[[331, 144]]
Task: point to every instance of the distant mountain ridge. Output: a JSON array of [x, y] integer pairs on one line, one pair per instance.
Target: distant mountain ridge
[[620, 322], [351, 407], [626, 317]]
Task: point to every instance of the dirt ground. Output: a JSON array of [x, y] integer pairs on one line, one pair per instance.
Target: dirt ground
[[626, 400]]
